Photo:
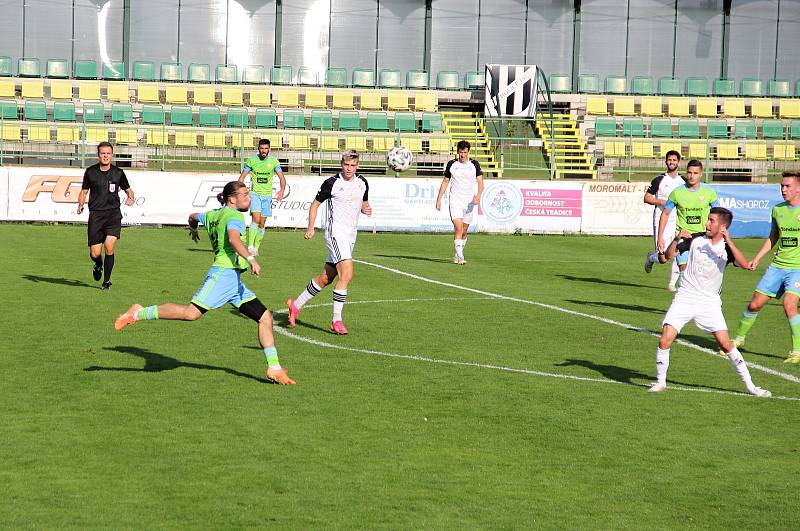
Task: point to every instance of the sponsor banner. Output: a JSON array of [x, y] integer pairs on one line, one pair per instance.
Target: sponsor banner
[[616, 208], [531, 206], [751, 205]]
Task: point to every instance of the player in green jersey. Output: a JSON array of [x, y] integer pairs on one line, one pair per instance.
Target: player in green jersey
[[262, 169], [223, 282], [783, 275]]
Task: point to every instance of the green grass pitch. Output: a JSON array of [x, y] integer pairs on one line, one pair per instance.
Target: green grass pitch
[[485, 407]]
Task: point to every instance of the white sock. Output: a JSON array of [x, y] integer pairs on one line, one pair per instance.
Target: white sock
[[339, 298], [662, 364], [459, 245], [307, 294], [737, 362]]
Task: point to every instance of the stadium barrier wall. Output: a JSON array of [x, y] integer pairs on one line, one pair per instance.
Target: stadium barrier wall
[[399, 204]]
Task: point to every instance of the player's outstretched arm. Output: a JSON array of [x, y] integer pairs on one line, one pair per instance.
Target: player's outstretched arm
[[769, 243], [672, 251], [194, 222], [312, 218], [243, 175], [738, 256]]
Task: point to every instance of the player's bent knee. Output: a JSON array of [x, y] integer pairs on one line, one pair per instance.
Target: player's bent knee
[[255, 310]]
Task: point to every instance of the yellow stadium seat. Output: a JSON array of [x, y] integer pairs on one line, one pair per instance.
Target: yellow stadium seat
[[783, 150], [698, 150], [614, 148], [67, 134], [733, 107], [707, 107], [243, 139], [678, 106], [61, 89], [33, 88], [383, 143], [371, 99], [260, 98], [214, 139], [623, 106], [127, 135], [668, 145], [299, 142], [10, 131], [176, 94], [329, 142], [342, 99], [755, 150], [316, 98], [118, 91], [8, 88], [651, 106], [232, 96], [761, 108], [38, 133], [789, 108], [425, 101], [147, 93], [275, 139], [727, 149], [96, 134], [186, 138], [440, 144], [205, 95], [288, 97], [357, 142], [597, 105], [397, 100], [414, 143], [157, 137], [89, 90], [642, 149]]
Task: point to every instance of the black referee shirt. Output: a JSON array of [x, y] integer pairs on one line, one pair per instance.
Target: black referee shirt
[[104, 186]]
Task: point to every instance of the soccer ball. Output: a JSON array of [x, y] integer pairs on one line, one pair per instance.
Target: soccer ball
[[399, 158]]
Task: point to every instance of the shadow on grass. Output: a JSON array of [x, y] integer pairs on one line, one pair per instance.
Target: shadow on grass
[[199, 250], [619, 306], [596, 280], [154, 362], [707, 342], [410, 257], [61, 281]]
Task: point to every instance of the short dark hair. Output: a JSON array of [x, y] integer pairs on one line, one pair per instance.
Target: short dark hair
[[672, 152], [725, 215], [792, 174], [463, 144], [694, 163], [230, 189], [263, 142], [105, 144]]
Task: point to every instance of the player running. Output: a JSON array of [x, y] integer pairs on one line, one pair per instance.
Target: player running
[[223, 283], [262, 169]]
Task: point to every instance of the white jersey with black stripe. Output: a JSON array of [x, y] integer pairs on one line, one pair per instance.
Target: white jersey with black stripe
[[345, 200], [661, 187], [463, 178]]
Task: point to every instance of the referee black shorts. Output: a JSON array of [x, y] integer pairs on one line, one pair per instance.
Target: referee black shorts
[[104, 223]]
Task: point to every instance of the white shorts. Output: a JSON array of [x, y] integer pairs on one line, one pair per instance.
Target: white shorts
[[707, 315], [669, 232], [462, 208], [339, 248]]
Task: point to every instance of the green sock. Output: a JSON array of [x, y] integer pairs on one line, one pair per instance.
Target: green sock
[[271, 354], [747, 320], [146, 314], [252, 233], [259, 237], [794, 325]]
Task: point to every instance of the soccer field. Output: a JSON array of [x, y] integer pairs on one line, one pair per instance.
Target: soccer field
[[507, 393]]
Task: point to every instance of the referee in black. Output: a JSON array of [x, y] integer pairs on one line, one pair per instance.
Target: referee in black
[[102, 182]]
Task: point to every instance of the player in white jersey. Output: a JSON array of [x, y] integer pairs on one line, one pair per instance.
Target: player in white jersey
[[657, 195], [698, 296], [347, 194], [465, 177]]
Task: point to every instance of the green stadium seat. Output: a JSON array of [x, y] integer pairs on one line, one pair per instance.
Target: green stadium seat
[[35, 110], [28, 68], [336, 77], [751, 87], [363, 77], [724, 87], [616, 85], [794, 129], [688, 128], [114, 71], [432, 122], [57, 69], [321, 119], [773, 129], [122, 113], [153, 114], [417, 79], [589, 83], [180, 115], [266, 118], [64, 111], [226, 74], [669, 86], [349, 121], [8, 110], [209, 117], [294, 119], [744, 128], [474, 80], [390, 78], [199, 73], [642, 85], [144, 71], [254, 74], [94, 112], [85, 69], [171, 72], [307, 76], [560, 83], [237, 117], [605, 126], [281, 75], [717, 128], [779, 88], [633, 127], [448, 80], [377, 121], [661, 127], [5, 66], [405, 122], [696, 86]]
